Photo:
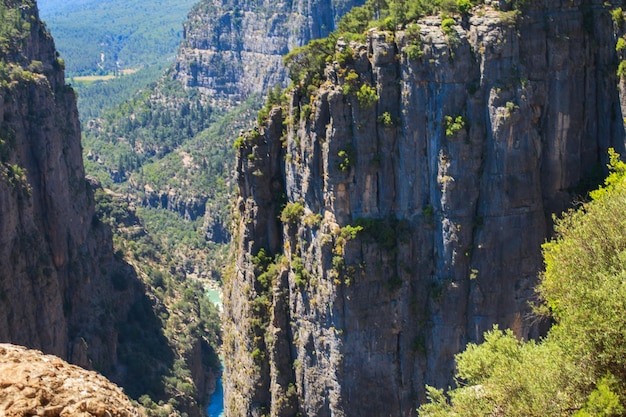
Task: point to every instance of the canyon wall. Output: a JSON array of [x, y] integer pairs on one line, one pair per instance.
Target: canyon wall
[[233, 49], [376, 237], [62, 288]]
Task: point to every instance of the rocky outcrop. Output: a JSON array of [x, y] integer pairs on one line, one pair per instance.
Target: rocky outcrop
[[188, 208], [234, 48], [413, 222], [44, 385]]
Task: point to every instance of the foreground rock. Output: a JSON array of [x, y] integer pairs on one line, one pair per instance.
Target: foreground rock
[[34, 384]]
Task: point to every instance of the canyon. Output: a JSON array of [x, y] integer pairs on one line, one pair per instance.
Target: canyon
[[386, 215]]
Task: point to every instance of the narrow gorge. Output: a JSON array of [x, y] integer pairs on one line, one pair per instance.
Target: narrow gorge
[[63, 288], [396, 212]]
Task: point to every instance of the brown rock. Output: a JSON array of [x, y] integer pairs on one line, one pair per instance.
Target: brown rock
[[34, 384]]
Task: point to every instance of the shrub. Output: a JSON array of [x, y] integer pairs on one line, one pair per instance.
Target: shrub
[[446, 25], [367, 96], [292, 212], [621, 69], [620, 45], [386, 120], [453, 124], [239, 142], [346, 158], [464, 6], [350, 81], [618, 16]]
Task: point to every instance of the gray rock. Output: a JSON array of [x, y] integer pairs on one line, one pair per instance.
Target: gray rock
[[455, 215]]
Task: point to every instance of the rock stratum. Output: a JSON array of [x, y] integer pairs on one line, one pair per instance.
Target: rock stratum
[[34, 384], [234, 49], [412, 223]]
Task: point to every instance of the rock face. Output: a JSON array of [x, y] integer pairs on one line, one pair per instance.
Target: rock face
[[234, 48], [36, 384], [412, 223], [62, 290]]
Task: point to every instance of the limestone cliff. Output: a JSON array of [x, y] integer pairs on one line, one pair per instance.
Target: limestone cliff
[[411, 222], [234, 48], [62, 290]]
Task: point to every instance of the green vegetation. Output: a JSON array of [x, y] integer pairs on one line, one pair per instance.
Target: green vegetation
[[618, 16], [621, 69], [147, 126], [386, 120], [14, 24], [97, 97], [275, 97], [292, 213], [387, 233], [453, 125], [413, 50], [367, 96], [446, 25], [306, 64], [579, 368], [186, 315], [464, 6], [15, 177], [100, 37], [187, 154], [346, 158]]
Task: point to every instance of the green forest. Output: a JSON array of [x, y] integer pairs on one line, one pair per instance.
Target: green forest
[[100, 37]]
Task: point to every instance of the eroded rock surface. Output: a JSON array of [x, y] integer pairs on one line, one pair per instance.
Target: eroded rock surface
[[453, 173], [234, 48], [34, 384]]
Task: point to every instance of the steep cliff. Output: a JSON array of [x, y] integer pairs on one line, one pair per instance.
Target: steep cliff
[[62, 289], [416, 185], [233, 49]]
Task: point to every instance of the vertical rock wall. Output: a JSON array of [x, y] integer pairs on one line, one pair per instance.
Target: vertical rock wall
[[62, 290], [233, 49], [414, 224]]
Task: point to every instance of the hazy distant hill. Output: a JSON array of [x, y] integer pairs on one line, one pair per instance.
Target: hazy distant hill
[[97, 36]]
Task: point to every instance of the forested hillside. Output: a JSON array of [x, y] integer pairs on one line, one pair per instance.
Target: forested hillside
[[67, 286], [169, 147], [111, 49], [103, 37]]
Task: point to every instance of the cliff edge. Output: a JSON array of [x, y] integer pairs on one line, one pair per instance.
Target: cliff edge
[[62, 288]]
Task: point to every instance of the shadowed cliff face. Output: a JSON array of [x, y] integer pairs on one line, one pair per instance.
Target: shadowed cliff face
[[433, 202], [62, 290], [233, 49]]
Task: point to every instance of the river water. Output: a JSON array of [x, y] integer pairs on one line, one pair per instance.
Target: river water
[[216, 406]]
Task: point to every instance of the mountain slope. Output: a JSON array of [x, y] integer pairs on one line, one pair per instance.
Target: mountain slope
[[106, 36]]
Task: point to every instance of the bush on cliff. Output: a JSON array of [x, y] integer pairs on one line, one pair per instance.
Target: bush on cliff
[[579, 369]]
